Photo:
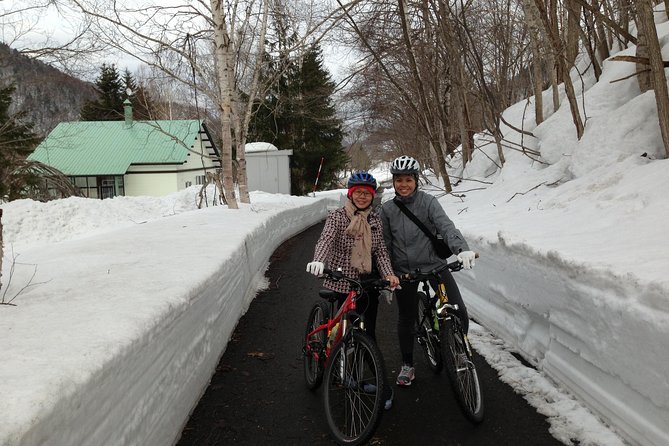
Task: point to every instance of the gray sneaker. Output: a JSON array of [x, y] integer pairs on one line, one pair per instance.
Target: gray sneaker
[[407, 374]]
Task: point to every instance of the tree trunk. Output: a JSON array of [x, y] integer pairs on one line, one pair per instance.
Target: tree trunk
[[602, 41], [500, 148], [658, 77], [642, 51], [573, 31], [225, 78], [245, 118], [2, 249], [553, 54], [534, 25], [573, 104], [466, 133]]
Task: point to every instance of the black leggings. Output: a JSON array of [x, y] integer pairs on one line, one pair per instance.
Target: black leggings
[[367, 305], [407, 302]]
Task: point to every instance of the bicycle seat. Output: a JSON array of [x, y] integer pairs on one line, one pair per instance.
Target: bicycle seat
[[331, 296]]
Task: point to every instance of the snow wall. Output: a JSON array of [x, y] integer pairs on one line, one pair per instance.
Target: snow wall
[[151, 380], [575, 324]]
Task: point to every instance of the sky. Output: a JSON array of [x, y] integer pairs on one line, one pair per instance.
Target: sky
[[572, 276]]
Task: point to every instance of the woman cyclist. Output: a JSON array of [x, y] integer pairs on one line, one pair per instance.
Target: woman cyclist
[[410, 248], [352, 240]]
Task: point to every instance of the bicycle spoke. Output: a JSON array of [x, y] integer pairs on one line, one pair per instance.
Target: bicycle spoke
[[352, 402]]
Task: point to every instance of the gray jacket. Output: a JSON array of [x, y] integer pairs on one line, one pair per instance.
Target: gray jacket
[[407, 244]]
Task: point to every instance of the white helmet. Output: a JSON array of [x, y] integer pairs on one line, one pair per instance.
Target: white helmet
[[405, 165]]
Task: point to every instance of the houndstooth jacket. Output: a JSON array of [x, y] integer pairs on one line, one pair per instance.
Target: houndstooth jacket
[[334, 248]]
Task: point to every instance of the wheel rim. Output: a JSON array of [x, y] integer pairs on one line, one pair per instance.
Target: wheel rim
[[352, 391], [465, 374], [312, 364]]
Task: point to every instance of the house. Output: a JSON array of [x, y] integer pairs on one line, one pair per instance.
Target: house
[[109, 158], [267, 168]]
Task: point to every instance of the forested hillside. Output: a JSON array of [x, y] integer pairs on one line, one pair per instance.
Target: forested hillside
[[47, 95]]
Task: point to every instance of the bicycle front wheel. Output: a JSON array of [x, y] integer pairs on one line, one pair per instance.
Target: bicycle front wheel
[[354, 384], [462, 372], [428, 334], [314, 346]]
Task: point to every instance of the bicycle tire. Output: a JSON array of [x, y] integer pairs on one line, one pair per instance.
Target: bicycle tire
[[354, 385], [313, 367], [462, 371], [427, 335]]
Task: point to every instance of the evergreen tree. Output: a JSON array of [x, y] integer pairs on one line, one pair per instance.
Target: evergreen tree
[[17, 141], [298, 114], [143, 108], [109, 106]]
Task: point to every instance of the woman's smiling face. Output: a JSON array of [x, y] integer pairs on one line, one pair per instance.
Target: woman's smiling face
[[404, 184], [362, 198]]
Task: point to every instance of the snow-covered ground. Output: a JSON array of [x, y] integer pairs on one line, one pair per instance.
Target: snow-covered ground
[[120, 308]]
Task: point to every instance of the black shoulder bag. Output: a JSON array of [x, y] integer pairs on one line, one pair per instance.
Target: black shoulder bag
[[440, 246]]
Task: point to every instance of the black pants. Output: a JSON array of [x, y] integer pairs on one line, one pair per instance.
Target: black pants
[[407, 302], [367, 306]]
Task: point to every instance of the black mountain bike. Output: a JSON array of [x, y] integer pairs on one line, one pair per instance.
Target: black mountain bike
[[438, 324]]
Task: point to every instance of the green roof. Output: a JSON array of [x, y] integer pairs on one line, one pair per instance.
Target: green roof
[[109, 147]]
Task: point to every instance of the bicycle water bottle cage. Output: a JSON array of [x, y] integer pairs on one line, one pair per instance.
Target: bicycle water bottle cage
[[331, 296]]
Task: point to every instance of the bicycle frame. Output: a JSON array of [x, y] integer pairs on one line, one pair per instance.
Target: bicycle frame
[[348, 306]]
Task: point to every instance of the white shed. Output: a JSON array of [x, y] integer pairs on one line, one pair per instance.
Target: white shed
[[268, 168]]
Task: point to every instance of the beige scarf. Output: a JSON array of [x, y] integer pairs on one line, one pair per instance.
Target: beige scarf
[[361, 255]]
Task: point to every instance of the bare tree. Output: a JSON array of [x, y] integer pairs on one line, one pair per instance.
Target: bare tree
[[536, 43], [657, 76], [563, 65]]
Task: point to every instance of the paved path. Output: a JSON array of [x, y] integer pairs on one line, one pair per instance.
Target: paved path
[[257, 395]]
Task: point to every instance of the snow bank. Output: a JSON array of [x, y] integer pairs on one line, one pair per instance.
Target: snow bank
[[127, 368]]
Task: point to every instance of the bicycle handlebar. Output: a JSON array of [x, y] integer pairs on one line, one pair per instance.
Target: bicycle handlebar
[[362, 284], [418, 276]]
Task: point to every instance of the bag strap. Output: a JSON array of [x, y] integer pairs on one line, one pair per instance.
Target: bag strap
[[414, 219]]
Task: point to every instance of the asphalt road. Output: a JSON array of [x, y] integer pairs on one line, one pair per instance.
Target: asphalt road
[[258, 396]]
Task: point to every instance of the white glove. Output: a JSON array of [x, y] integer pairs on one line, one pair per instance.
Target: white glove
[[387, 295], [315, 268], [467, 259]]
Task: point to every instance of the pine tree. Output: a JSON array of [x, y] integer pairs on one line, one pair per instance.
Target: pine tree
[[143, 108], [109, 106], [298, 114], [17, 141]]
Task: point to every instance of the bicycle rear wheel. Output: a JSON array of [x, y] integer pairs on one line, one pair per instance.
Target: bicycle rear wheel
[[354, 384], [314, 347], [462, 372], [428, 334]]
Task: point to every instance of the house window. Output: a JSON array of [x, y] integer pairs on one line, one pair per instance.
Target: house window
[[189, 183], [88, 186], [199, 179]]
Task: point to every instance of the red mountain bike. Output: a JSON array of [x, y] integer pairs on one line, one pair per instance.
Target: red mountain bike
[[338, 351]]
